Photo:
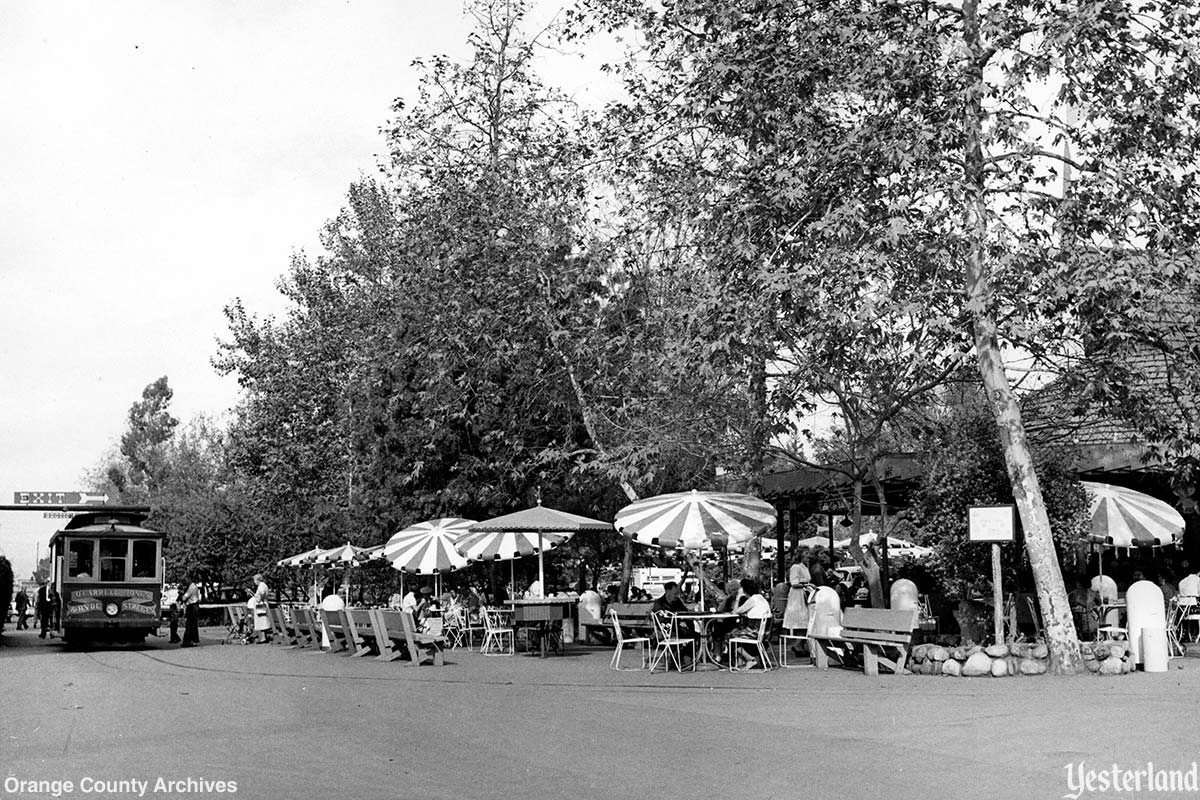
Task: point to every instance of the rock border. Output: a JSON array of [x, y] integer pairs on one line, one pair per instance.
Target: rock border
[[1014, 658]]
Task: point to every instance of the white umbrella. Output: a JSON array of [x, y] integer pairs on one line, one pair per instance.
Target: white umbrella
[[695, 521]]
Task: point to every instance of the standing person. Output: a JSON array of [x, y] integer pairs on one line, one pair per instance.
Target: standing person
[[262, 618], [44, 595], [191, 615], [171, 599], [795, 614], [22, 610]]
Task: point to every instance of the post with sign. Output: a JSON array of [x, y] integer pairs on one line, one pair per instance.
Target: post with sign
[[994, 524]]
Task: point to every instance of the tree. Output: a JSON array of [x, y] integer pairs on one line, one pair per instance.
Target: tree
[[150, 428], [938, 130]]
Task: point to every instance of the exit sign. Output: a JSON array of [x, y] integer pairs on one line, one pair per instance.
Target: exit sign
[[57, 498]]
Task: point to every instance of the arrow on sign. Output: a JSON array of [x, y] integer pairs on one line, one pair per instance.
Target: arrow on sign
[[84, 497]]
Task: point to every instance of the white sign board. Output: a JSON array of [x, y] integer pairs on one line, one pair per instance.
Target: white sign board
[[991, 523]]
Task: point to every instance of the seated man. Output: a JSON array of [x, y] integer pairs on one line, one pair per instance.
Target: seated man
[[671, 603]]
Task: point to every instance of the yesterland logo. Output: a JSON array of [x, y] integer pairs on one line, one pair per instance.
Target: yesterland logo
[[1114, 780]]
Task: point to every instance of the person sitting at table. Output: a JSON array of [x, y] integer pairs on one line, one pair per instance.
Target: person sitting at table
[[1189, 584], [753, 608], [719, 629], [669, 602]]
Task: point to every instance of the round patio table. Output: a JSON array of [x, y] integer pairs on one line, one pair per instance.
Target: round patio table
[[703, 620]]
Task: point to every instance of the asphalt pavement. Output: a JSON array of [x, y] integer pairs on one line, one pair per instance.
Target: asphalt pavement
[[271, 722]]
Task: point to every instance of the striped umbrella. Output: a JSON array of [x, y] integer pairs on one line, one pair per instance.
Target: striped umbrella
[[1126, 518], [346, 555], [300, 559], [342, 554], [695, 521], [428, 548], [525, 533]]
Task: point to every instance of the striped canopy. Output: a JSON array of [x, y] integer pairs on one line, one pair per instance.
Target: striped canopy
[[1126, 518], [695, 520], [300, 559], [342, 554], [427, 548], [524, 533]]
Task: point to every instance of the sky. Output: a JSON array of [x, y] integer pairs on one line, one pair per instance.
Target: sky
[[159, 161]]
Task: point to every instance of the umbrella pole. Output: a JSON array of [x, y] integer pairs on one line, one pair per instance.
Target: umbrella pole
[[541, 566]]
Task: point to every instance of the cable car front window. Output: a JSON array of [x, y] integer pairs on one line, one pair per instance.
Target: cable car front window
[[80, 555], [145, 558], [112, 559]]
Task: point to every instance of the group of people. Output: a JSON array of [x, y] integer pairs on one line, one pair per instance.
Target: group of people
[[45, 609], [743, 597]]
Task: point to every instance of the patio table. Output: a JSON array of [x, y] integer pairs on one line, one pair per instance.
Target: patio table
[[545, 615], [703, 620]]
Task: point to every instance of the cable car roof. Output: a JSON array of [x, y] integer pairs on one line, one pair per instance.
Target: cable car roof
[[107, 523]]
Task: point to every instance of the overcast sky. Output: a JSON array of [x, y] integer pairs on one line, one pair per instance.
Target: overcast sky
[[159, 160]]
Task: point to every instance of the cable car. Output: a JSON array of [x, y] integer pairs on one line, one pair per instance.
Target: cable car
[[108, 571]]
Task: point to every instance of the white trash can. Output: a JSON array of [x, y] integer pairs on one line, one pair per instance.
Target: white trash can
[[1154, 649]]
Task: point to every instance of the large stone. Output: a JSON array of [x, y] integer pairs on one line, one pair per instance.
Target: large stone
[[996, 651], [1126, 665], [918, 652], [1101, 650], [973, 649], [1019, 649], [935, 667], [999, 668], [1039, 650], [952, 668], [959, 653], [978, 664], [937, 654], [1113, 665], [1032, 666], [1092, 664], [1118, 649]]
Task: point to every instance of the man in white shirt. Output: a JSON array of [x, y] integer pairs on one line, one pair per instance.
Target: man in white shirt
[[410, 602], [1189, 585]]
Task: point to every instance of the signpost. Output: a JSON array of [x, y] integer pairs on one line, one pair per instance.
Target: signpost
[[58, 499], [993, 524]]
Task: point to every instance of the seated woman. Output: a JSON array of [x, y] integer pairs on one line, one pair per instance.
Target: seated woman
[[754, 608]]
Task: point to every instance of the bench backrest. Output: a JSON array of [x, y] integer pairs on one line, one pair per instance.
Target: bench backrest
[[635, 611], [883, 624]]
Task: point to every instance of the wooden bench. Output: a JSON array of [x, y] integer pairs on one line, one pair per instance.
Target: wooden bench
[[588, 625], [634, 616], [393, 628], [359, 631], [873, 633], [335, 632], [283, 631], [308, 634]]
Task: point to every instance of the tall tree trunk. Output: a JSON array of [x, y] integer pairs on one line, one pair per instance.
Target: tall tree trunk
[[862, 558], [1065, 655]]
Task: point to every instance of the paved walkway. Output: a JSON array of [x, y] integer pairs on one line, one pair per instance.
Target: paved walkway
[[301, 724]]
